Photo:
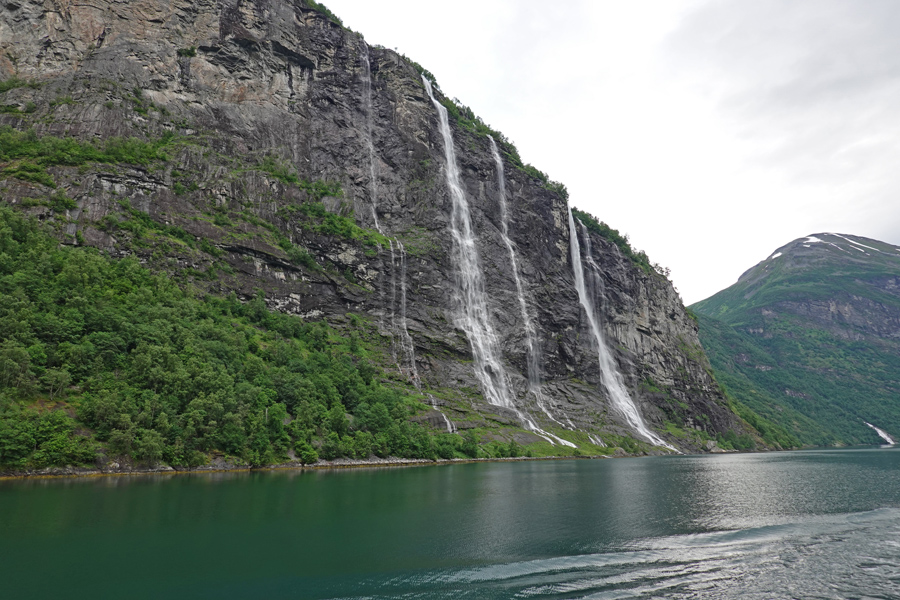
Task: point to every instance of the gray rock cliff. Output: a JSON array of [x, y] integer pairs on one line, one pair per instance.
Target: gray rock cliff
[[262, 99]]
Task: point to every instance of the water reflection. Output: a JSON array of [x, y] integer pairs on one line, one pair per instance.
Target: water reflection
[[560, 528]]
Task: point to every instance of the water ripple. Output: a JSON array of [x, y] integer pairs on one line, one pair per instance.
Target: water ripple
[[835, 556]]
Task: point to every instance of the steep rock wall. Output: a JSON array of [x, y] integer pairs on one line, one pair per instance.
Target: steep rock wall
[[243, 82]]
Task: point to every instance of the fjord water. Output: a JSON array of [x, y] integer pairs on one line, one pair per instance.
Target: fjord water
[[812, 524]]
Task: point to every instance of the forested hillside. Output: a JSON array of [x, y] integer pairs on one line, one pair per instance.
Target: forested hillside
[[808, 338], [136, 367]]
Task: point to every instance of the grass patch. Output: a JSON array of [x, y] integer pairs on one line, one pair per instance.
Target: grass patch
[[14, 82], [26, 155], [600, 228]]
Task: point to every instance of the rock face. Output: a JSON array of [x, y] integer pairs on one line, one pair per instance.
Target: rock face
[[267, 97]]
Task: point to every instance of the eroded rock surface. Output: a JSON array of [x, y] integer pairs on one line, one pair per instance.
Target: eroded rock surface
[[240, 83]]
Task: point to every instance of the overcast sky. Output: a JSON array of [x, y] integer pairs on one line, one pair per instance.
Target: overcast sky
[[710, 132]]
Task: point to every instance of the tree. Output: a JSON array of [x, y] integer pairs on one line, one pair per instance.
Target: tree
[[149, 447], [306, 453], [56, 381], [470, 444]]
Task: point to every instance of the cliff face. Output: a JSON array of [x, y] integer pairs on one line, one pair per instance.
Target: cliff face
[[265, 109]]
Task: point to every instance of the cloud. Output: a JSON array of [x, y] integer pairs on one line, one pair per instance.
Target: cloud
[[813, 83]]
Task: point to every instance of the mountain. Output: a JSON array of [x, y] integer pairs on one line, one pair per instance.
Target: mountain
[[810, 338], [261, 152]]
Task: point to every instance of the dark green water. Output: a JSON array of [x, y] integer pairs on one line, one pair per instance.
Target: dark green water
[[817, 524]]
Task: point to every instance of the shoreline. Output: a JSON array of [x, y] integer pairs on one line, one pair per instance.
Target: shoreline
[[378, 463]]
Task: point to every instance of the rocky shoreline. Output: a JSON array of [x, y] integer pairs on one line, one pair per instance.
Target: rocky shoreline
[[223, 466]]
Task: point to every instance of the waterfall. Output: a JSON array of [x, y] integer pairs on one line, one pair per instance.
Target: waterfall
[[408, 352], [882, 434], [393, 304], [473, 316], [533, 359], [611, 377], [596, 440], [370, 146]]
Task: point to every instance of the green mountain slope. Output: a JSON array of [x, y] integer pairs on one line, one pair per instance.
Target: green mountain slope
[[282, 186], [124, 363], [810, 338]]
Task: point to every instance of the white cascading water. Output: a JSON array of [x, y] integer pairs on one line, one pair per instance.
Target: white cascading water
[[596, 440], [393, 305], [370, 144], [474, 318], [406, 344], [406, 355], [612, 380], [882, 434], [533, 360]]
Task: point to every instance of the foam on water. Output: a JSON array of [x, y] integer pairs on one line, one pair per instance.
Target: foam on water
[[832, 556]]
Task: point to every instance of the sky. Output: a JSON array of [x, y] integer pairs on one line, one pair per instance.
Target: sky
[[710, 132]]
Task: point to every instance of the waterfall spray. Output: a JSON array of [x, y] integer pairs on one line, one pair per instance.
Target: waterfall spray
[[612, 379], [882, 434], [533, 358], [473, 316]]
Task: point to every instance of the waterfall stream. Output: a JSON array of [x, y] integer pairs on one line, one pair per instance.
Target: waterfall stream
[[882, 434], [473, 316], [370, 144], [533, 359], [408, 352], [406, 356], [612, 379]]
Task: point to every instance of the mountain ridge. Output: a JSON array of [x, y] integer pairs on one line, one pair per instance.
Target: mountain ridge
[[813, 329]]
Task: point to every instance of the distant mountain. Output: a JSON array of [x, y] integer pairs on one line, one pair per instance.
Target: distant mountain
[[810, 338]]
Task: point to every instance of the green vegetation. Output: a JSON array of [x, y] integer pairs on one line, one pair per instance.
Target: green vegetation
[[321, 221], [13, 109], [285, 173], [421, 70], [60, 202], [312, 213], [813, 371], [139, 223], [188, 52], [102, 355], [61, 100], [324, 10], [297, 255], [606, 232], [280, 170], [15, 82], [467, 119], [817, 387], [25, 156]]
